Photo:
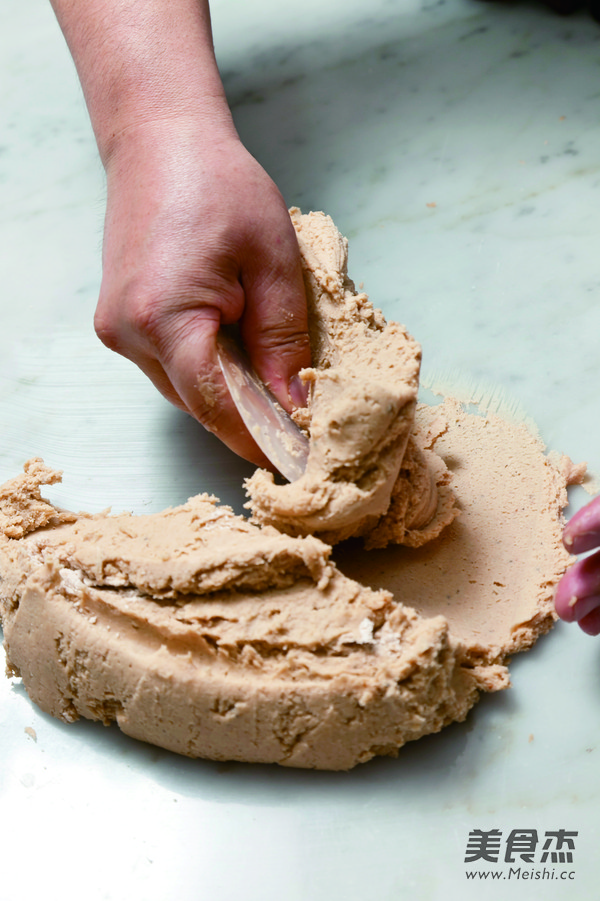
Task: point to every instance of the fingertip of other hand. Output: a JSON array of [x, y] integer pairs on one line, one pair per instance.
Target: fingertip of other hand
[[590, 624], [567, 593], [582, 532], [580, 542], [584, 610], [564, 605]]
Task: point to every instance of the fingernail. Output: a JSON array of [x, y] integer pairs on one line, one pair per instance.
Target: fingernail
[[298, 391]]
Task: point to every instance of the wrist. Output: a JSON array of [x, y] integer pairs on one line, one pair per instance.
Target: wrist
[[165, 136], [168, 149]]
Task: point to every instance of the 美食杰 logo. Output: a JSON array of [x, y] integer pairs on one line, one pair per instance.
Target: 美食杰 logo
[[524, 854]]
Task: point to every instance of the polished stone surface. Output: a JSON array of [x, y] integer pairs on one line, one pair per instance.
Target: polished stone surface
[[457, 144]]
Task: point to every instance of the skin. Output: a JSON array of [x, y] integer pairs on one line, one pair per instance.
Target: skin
[[196, 233], [578, 593]]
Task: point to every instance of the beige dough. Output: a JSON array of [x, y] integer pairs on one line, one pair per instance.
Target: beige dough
[[367, 473], [493, 571], [214, 636], [202, 633]]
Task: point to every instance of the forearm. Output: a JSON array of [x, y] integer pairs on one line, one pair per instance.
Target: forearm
[[143, 61]]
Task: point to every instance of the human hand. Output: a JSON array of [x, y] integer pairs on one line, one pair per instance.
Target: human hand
[[196, 236], [578, 593]]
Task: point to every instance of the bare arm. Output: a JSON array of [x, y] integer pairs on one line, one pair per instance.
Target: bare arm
[[196, 233], [141, 61]]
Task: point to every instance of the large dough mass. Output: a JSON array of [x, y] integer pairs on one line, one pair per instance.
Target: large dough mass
[[214, 636], [367, 472]]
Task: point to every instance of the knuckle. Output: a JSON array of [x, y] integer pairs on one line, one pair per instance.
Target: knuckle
[[286, 342], [135, 318], [145, 315], [107, 330], [125, 315]]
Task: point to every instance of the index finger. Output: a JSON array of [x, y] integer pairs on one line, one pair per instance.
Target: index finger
[[190, 362], [274, 325]]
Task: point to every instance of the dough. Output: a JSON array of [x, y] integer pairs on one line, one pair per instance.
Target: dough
[[493, 571], [214, 636], [202, 633], [367, 473]]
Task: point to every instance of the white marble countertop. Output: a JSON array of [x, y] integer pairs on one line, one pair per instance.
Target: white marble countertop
[[457, 144]]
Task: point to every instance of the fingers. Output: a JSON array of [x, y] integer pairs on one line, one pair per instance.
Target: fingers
[[590, 624], [582, 532], [578, 594], [176, 349], [193, 367], [274, 326]]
